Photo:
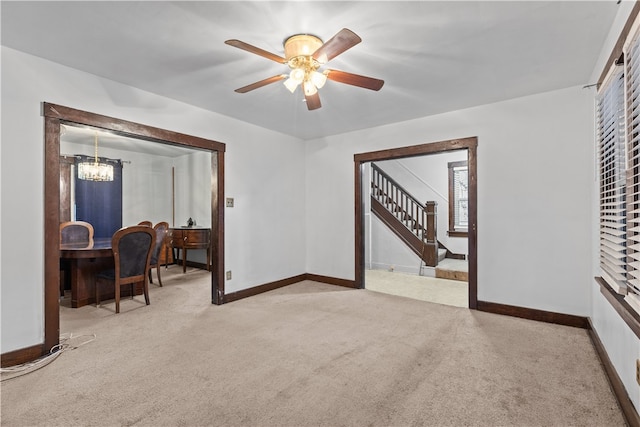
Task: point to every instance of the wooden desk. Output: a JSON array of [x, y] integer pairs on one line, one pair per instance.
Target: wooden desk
[[86, 261], [190, 238]]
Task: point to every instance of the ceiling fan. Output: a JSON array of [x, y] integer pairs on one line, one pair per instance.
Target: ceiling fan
[[305, 54]]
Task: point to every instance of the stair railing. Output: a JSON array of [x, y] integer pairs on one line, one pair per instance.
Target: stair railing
[[418, 218]]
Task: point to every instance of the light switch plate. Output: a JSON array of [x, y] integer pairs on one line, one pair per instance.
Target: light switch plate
[[229, 202]]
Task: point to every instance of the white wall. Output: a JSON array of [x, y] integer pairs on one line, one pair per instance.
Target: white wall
[[193, 189], [534, 179], [622, 345], [384, 250], [146, 188], [264, 235]]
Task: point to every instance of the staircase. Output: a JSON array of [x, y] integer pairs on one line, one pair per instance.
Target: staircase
[[413, 222]]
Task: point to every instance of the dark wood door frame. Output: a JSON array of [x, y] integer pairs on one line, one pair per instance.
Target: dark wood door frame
[[470, 144], [54, 116]]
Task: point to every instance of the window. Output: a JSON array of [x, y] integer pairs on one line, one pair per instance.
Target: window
[[458, 199], [618, 142], [632, 115], [100, 202], [612, 184]]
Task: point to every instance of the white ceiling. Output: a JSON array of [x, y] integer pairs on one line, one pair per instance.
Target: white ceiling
[[434, 56]]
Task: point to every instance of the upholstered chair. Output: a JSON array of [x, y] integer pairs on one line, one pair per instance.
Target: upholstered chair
[[132, 247]]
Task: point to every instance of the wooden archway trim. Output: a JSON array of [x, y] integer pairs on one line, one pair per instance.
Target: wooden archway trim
[[55, 115], [470, 144]]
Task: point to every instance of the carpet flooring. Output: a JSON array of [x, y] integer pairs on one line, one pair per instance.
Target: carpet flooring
[[309, 354], [423, 288]]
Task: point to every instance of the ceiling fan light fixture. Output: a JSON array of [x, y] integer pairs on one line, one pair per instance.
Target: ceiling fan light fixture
[[305, 54], [297, 75], [291, 84], [309, 88], [318, 79], [295, 78]]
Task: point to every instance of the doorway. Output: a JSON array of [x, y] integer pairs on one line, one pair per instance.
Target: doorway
[[362, 159], [55, 117]]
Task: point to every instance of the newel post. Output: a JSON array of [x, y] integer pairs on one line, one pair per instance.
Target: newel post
[[430, 255]]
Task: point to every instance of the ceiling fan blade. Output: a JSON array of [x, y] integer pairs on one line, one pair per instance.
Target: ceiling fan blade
[[345, 39], [355, 79], [313, 101], [261, 83], [256, 50]]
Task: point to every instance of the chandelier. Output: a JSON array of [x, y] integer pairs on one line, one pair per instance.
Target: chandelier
[[299, 50], [95, 171]]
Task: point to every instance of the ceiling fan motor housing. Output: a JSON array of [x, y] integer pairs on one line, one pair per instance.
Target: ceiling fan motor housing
[[299, 45]]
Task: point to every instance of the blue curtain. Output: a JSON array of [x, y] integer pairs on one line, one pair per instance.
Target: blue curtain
[[100, 203]]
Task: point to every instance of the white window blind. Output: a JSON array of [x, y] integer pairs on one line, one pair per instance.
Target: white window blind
[[611, 152], [632, 96]]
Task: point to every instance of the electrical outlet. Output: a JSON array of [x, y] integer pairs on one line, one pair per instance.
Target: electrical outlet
[[229, 202], [229, 275], [638, 371]]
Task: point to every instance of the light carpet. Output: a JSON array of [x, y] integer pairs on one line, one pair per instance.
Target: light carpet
[[423, 288], [310, 354]]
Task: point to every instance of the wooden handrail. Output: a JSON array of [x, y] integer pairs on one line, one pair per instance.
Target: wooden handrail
[[377, 170]]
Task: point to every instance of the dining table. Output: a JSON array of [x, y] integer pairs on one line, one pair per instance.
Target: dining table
[[86, 260]]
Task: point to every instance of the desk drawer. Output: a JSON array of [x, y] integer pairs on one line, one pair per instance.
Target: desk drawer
[[182, 237]]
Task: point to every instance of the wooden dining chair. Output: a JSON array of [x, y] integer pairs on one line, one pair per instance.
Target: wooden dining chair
[[147, 223], [76, 232], [132, 247], [72, 232], [161, 229]]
